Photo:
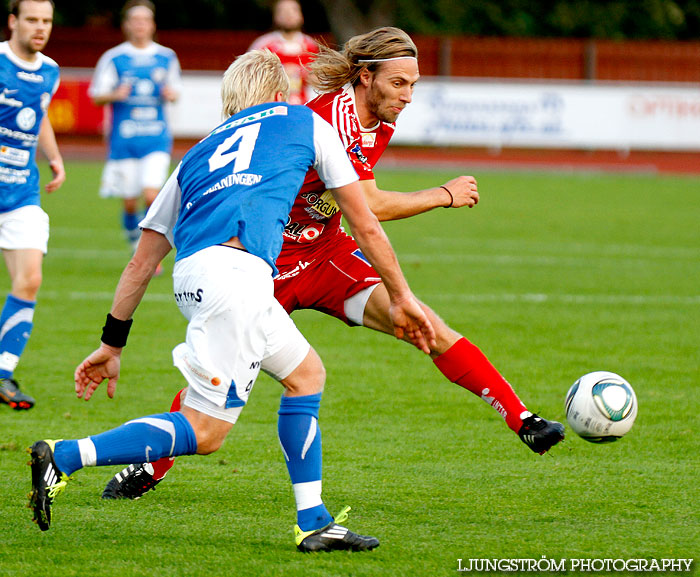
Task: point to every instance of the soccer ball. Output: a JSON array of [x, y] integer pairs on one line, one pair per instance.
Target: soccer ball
[[601, 407]]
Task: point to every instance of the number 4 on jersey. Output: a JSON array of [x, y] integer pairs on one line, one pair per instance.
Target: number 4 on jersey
[[248, 135]]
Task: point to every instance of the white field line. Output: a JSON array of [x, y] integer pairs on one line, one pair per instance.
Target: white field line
[[587, 261], [441, 257], [680, 257], [531, 298], [101, 296], [91, 253], [573, 249], [591, 299]]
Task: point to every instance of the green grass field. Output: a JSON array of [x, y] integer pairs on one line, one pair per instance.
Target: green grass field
[[552, 276]]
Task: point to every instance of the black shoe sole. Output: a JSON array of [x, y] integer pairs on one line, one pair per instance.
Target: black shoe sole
[[37, 502]]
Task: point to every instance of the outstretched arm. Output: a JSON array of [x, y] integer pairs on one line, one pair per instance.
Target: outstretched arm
[[104, 362], [407, 316], [389, 205]]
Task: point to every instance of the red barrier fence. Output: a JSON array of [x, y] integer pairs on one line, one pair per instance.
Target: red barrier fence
[[542, 58], [519, 58]]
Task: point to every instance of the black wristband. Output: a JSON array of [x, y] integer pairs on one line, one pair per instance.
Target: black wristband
[[115, 332], [452, 198]]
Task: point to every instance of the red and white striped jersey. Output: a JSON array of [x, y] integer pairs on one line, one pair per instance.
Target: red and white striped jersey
[[315, 217], [295, 55]]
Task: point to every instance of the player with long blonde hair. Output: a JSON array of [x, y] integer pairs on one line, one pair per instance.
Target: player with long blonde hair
[[363, 89]]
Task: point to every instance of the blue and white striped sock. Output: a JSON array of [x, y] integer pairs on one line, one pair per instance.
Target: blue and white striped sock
[[16, 323], [300, 438], [142, 440]]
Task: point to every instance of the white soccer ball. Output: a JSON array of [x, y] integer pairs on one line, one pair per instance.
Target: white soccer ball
[[601, 407]]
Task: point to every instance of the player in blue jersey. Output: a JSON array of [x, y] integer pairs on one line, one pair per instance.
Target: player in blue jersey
[[28, 80], [224, 210], [136, 79]]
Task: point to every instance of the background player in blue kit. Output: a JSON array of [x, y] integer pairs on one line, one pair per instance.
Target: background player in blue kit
[[224, 210], [137, 78], [28, 80]]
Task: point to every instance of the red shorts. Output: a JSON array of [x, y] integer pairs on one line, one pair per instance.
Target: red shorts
[[325, 280]]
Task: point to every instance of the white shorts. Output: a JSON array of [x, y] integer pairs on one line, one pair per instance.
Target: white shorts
[[128, 177], [236, 327], [24, 227]]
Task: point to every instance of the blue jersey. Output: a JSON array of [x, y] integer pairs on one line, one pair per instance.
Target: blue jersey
[[26, 89], [139, 124], [242, 179]]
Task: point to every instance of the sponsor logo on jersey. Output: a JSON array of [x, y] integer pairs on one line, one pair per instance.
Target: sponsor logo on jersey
[[303, 233], [131, 128], [189, 297], [144, 113], [30, 76], [26, 118], [14, 176], [14, 156], [4, 98], [29, 139], [369, 139], [321, 207], [274, 111], [357, 151]]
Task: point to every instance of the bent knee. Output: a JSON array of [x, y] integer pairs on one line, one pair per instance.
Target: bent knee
[[208, 443], [209, 432], [308, 378]]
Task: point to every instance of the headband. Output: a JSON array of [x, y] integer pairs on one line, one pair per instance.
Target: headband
[[386, 59]]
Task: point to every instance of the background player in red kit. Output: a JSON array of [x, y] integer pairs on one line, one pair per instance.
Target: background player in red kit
[[363, 91], [295, 49]]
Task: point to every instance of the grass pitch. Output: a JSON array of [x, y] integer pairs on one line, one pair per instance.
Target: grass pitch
[[552, 276]]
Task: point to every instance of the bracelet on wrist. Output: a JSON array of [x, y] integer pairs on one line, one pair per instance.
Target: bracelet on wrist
[[115, 332], [452, 198]]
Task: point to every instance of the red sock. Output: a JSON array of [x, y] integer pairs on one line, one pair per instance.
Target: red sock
[[175, 407], [464, 364], [162, 466]]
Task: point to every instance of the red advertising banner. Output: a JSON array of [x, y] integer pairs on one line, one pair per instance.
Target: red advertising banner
[[72, 111]]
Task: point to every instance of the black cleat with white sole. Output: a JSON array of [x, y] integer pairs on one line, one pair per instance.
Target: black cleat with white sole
[[540, 434], [47, 482], [131, 483], [333, 537]]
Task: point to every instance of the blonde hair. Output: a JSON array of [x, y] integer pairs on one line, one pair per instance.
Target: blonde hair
[[332, 70], [253, 78]]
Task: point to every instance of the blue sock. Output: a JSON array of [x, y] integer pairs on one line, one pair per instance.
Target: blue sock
[[130, 221], [16, 322], [142, 440], [300, 438]]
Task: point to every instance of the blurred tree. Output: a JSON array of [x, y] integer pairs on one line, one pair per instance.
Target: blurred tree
[[634, 19], [173, 14], [350, 17]]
